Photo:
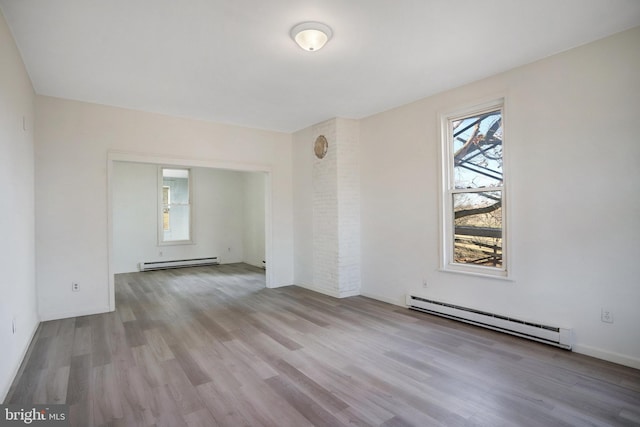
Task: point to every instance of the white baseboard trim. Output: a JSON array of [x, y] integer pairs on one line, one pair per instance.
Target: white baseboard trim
[[609, 356], [331, 292], [279, 285], [347, 294], [16, 368], [577, 348], [256, 264], [44, 317], [399, 302]]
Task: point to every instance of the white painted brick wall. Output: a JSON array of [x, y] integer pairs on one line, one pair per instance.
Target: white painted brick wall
[[325, 212], [336, 209], [348, 205]]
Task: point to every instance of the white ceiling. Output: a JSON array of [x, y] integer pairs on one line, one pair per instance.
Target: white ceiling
[[233, 61]]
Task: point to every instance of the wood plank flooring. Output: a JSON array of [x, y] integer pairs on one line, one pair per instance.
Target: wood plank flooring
[[210, 346]]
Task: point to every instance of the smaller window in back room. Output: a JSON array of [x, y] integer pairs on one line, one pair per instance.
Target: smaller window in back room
[[175, 206]]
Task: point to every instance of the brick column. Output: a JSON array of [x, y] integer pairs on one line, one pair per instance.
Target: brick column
[[336, 210]]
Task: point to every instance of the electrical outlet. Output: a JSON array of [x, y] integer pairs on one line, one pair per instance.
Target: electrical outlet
[[160, 253], [75, 287], [424, 283], [606, 315]]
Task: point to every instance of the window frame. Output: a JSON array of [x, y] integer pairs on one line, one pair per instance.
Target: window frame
[[160, 207], [447, 261]]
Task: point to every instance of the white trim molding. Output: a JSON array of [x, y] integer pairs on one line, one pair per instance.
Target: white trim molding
[[449, 190]]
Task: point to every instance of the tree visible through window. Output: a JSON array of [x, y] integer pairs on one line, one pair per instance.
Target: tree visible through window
[[475, 189]]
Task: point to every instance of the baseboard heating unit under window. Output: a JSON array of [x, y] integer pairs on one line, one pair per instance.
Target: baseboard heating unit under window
[[177, 263], [553, 335]]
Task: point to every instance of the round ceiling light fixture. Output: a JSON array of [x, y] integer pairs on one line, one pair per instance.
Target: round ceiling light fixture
[[311, 36]]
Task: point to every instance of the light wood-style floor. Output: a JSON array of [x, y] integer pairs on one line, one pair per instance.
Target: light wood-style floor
[[211, 346]]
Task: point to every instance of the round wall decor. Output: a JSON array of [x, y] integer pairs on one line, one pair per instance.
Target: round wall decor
[[320, 147]]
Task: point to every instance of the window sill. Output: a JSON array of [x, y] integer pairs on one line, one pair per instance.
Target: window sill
[[176, 243], [503, 277]]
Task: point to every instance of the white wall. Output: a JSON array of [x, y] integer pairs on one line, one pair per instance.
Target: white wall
[[574, 203], [218, 203], [254, 216], [17, 254], [327, 209], [73, 140], [303, 196]]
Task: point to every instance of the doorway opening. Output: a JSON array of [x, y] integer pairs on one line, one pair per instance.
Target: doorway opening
[[223, 209]]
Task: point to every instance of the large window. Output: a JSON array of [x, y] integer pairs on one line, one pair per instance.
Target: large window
[[175, 206], [474, 196]]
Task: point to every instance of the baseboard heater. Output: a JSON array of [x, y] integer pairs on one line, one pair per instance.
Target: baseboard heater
[[177, 263], [553, 335]]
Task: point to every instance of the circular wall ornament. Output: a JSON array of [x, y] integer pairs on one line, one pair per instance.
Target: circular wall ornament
[[320, 147]]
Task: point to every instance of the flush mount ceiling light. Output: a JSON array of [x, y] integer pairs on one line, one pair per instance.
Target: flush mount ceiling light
[[311, 36]]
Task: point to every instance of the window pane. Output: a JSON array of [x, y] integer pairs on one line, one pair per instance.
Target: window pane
[[478, 228], [166, 197], [178, 223], [177, 180], [477, 147], [175, 205]]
